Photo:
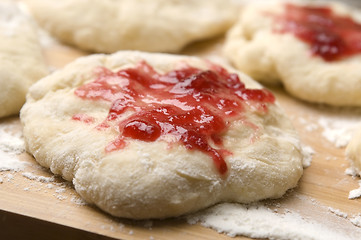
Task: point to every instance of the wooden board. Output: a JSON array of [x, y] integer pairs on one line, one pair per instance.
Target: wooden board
[[50, 208]]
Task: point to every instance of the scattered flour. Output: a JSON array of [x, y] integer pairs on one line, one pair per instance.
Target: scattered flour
[[338, 132], [107, 227], [311, 127], [258, 221], [307, 153], [356, 193], [304, 220], [336, 124], [337, 212], [351, 171], [60, 197], [339, 124], [11, 145], [9, 162], [60, 190], [9, 177], [78, 201], [29, 175], [46, 179], [42, 179], [356, 221]]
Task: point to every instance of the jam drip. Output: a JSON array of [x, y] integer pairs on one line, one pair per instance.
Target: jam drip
[[330, 36], [188, 105]]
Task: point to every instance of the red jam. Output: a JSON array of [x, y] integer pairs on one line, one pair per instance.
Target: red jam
[[188, 105], [83, 118], [330, 36]]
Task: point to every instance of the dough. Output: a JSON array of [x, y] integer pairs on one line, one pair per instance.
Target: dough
[[148, 25], [75, 134], [21, 60], [255, 46], [353, 152]]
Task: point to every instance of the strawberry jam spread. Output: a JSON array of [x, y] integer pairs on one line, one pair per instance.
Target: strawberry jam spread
[[330, 36], [191, 106]]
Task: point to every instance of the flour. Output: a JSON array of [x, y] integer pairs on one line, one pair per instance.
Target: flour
[[9, 177], [29, 175], [42, 179], [351, 171], [60, 197], [338, 212], [60, 190], [311, 127], [356, 221], [303, 218], [307, 153], [340, 131], [258, 221], [8, 162], [356, 193], [11, 145], [78, 201], [339, 124], [336, 124]]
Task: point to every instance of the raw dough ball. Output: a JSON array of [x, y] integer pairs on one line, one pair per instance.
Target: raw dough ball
[[255, 46], [147, 25], [75, 137], [353, 152], [21, 60]]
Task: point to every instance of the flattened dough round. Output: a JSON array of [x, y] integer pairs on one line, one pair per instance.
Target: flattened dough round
[[147, 25], [21, 60], [151, 179], [253, 47]]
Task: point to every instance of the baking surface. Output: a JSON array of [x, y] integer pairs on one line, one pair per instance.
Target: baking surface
[[35, 195]]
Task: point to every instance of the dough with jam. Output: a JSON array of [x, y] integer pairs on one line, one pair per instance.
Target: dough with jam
[[353, 152], [139, 143], [147, 25], [263, 45], [21, 60]]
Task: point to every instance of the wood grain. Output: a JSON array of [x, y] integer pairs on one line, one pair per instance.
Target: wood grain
[[52, 210]]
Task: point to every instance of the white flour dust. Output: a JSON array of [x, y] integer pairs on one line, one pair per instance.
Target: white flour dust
[[356, 193], [303, 219], [336, 124], [356, 221], [11, 145], [338, 212], [307, 153], [339, 131], [339, 124]]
